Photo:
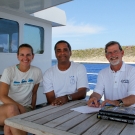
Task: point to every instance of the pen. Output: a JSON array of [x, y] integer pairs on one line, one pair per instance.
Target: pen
[[107, 104]]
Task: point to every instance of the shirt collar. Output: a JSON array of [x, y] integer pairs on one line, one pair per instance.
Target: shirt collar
[[121, 69]]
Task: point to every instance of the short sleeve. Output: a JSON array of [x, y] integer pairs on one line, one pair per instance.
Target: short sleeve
[[39, 77], [82, 80], [131, 87], [100, 84], [6, 76]]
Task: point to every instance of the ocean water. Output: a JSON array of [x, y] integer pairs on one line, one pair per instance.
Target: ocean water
[[92, 71]]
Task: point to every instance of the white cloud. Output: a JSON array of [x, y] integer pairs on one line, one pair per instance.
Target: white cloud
[[74, 30]]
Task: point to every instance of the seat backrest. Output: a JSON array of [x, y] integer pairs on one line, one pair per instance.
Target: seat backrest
[[1, 49]]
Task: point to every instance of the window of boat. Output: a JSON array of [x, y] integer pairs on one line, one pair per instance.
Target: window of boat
[[9, 36], [34, 35]]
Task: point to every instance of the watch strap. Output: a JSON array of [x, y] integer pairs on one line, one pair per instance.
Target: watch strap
[[121, 104], [69, 97]]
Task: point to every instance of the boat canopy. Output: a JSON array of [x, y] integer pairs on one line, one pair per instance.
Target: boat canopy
[[31, 6], [43, 9]]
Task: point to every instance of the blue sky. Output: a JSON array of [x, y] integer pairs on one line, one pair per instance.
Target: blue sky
[[93, 23]]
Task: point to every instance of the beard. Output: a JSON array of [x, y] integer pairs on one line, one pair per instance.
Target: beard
[[114, 62]]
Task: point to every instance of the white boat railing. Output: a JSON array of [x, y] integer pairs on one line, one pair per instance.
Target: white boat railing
[[92, 83], [92, 73]]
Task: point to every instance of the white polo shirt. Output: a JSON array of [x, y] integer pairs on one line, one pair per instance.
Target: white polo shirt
[[116, 85]]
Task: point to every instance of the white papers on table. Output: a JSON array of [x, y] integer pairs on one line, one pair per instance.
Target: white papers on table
[[86, 109]]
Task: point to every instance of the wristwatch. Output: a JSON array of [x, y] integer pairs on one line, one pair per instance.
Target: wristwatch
[[69, 97], [121, 104]]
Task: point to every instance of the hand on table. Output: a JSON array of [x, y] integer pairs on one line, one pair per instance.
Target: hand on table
[[110, 102], [60, 100]]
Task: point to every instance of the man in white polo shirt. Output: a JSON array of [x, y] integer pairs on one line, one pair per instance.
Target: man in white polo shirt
[[67, 80], [117, 82]]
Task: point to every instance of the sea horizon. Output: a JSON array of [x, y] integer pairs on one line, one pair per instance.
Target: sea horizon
[[82, 61]]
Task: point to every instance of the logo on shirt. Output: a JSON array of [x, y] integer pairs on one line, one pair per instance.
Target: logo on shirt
[[72, 79], [30, 80], [15, 82], [125, 81], [23, 82]]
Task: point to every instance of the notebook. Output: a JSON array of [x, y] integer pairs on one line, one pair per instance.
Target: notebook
[[124, 112]]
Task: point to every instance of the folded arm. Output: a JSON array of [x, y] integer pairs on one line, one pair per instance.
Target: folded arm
[[127, 101]]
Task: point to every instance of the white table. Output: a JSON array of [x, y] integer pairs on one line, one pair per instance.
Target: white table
[[60, 120]]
